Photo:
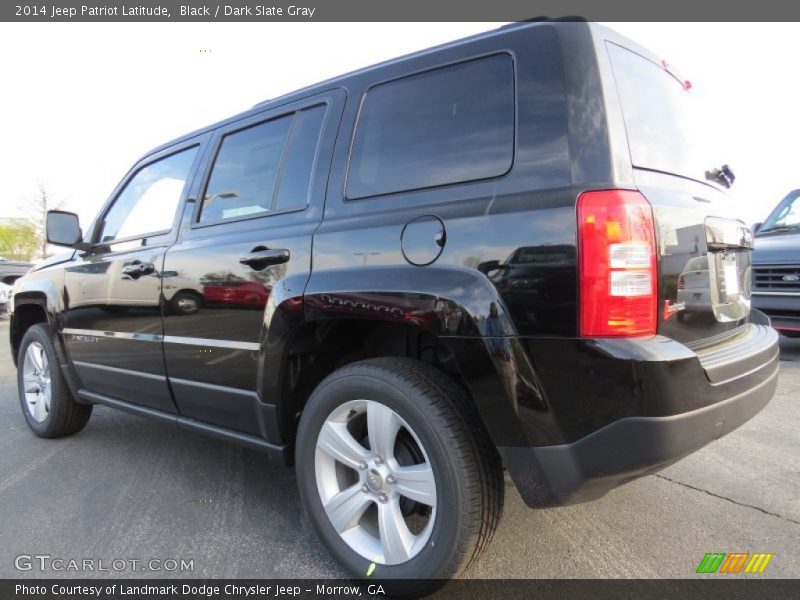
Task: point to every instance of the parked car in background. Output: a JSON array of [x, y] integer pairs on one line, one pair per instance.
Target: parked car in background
[[776, 266], [413, 276], [6, 292], [11, 270]]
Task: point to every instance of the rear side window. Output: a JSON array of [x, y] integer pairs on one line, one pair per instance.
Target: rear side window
[[448, 125], [264, 168]]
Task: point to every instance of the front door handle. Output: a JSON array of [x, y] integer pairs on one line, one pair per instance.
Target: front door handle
[[260, 258], [138, 268]]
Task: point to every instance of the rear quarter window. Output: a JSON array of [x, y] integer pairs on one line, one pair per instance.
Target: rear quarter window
[[448, 125]]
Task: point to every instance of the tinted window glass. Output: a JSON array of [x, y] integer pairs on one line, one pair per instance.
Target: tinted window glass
[[245, 170], [665, 129], [300, 159], [444, 126], [786, 217], [149, 200]]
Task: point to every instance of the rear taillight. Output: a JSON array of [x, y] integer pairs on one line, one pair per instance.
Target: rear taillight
[[617, 261]]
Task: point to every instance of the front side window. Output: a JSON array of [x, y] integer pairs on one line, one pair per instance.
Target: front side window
[[448, 125], [150, 199]]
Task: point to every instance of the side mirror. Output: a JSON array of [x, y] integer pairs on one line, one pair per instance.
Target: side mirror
[[63, 229], [489, 266]]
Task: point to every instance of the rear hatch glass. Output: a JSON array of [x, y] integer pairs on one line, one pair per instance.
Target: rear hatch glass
[[704, 250], [665, 127]]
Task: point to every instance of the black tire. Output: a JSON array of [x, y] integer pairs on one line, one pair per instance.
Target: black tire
[[65, 416], [466, 465]]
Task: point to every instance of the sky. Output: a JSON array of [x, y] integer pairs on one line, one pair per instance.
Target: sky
[[81, 102]]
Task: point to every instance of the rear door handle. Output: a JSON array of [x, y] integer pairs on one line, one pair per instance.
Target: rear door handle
[[262, 257], [137, 269]]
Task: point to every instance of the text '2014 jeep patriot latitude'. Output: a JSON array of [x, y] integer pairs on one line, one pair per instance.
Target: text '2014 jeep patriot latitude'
[[408, 278]]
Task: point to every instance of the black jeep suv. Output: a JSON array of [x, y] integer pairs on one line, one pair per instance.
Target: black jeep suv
[[408, 278]]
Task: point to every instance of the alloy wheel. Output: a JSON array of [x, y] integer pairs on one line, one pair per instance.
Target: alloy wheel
[[36, 381], [375, 482]]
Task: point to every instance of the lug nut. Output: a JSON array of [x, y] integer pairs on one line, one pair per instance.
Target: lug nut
[[364, 488], [378, 460], [362, 465], [383, 498], [390, 479]]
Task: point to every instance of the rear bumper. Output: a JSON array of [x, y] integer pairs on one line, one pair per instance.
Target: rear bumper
[[712, 394]]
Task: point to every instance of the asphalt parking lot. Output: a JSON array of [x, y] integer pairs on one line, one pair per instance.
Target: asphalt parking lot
[[129, 488]]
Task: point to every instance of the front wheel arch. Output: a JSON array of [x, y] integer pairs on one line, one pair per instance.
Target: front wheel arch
[[25, 315]]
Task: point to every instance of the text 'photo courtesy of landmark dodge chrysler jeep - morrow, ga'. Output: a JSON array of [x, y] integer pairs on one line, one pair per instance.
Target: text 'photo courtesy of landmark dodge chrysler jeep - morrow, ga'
[[407, 279]]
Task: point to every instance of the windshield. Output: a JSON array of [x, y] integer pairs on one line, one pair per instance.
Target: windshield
[[663, 122], [786, 217]]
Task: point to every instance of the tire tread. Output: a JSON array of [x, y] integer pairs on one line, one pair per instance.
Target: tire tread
[[483, 504], [66, 415]]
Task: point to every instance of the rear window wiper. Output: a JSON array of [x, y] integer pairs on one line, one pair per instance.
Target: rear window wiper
[[780, 228], [723, 176]]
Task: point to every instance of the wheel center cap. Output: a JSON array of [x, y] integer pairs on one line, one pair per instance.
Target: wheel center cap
[[375, 481]]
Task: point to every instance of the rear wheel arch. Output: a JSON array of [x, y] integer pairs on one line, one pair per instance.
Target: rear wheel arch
[[497, 374], [319, 348], [449, 300]]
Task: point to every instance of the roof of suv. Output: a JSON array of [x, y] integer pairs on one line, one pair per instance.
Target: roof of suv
[[314, 88], [301, 93]]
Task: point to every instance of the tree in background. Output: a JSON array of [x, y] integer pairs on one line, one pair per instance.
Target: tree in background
[[36, 209], [41, 204], [19, 240]]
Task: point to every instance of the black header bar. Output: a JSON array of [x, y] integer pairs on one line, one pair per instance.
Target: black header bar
[[395, 10]]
